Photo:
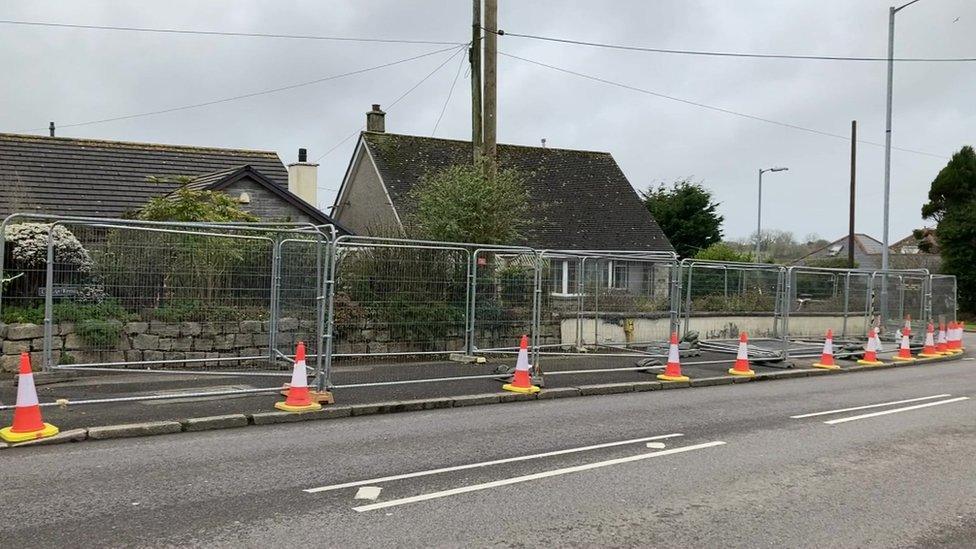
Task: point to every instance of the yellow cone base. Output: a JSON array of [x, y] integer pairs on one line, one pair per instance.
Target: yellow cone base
[[526, 390], [825, 366], [666, 377], [8, 435], [903, 359], [289, 408], [745, 373], [929, 355], [863, 362]]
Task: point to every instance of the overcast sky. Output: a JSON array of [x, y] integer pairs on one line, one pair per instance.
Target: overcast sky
[[73, 75]]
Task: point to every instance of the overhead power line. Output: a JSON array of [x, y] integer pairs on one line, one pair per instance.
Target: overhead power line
[[710, 107], [249, 95], [737, 54], [229, 33], [450, 93], [393, 103]]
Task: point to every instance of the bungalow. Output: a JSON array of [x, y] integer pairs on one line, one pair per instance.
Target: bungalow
[[97, 178], [579, 200]]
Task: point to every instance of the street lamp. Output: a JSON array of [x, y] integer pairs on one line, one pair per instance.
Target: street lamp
[[887, 168], [759, 209]]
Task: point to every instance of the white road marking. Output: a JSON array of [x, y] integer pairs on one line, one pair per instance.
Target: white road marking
[[534, 476], [368, 492], [485, 463], [894, 411], [656, 445], [868, 406]]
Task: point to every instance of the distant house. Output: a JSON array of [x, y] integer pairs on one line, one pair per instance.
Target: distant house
[[904, 254], [579, 200], [867, 252], [95, 178]]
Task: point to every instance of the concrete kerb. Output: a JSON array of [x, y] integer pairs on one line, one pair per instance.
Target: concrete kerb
[[333, 412]]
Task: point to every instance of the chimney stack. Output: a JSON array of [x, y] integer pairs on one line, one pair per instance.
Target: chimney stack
[[51, 129], [303, 178], [376, 119]]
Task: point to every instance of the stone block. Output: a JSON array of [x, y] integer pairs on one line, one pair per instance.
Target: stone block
[[145, 341], [11, 347], [66, 328], [158, 356], [190, 329], [214, 422], [73, 342], [515, 397], [203, 344], [328, 412], [134, 430], [182, 343], [133, 356], [166, 343], [606, 389], [261, 340], [135, 328], [558, 392], [640, 386], [9, 363], [243, 340], [711, 381], [24, 331], [224, 342], [251, 327], [166, 329], [56, 343], [287, 324], [209, 329]]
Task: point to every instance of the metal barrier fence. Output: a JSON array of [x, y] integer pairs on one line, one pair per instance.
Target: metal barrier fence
[[230, 298]]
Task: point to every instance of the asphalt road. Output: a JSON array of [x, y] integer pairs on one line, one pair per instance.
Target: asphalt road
[[743, 473]]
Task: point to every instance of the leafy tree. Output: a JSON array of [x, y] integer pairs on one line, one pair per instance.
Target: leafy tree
[[952, 203], [687, 215], [722, 251], [470, 203], [187, 204]]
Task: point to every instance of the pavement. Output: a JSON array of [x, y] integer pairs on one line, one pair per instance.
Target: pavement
[[727, 466]]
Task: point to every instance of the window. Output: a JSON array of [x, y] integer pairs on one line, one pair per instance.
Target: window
[[618, 275], [565, 277], [834, 250]]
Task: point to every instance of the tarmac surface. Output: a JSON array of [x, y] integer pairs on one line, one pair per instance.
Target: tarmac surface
[[887, 462]]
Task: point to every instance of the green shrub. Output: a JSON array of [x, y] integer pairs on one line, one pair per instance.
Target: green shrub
[[100, 334], [22, 315]]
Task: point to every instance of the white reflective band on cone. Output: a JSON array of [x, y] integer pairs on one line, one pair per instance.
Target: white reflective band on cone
[[298, 377], [673, 354], [26, 394]]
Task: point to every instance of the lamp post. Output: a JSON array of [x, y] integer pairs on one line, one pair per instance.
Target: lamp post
[[759, 209], [887, 167]]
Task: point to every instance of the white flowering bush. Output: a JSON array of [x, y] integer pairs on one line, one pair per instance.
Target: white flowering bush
[[27, 243]]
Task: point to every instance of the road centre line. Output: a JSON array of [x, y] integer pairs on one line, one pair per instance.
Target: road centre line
[[894, 411], [486, 463], [855, 408], [534, 476]]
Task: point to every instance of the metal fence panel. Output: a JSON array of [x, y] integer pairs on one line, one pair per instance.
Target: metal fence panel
[[944, 306], [723, 299]]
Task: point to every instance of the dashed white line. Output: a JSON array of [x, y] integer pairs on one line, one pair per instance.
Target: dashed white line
[[368, 492], [486, 463], [895, 410], [534, 476], [869, 406]]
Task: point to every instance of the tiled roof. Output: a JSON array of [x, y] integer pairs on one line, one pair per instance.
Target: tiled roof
[[578, 199], [868, 245], [107, 178]]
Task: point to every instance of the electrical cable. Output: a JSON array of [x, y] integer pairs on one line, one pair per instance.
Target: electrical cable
[[227, 33], [710, 107], [737, 54], [450, 92], [248, 95]]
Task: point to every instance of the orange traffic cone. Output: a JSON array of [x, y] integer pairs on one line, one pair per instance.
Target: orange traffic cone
[[741, 367], [955, 338], [827, 357], [28, 424], [942, 344], [929, 350], [522, 382], [904, 349], [299, 398], [871, 350], [672, 372]]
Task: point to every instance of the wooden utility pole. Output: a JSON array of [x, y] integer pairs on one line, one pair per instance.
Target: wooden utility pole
[[491, 75], [474, 56], [850, 230]]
